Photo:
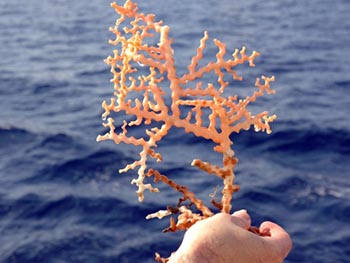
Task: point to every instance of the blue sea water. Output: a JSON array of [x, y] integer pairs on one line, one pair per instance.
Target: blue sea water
[[61, 197]]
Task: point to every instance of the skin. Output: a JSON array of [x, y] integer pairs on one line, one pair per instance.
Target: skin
[[224, 238]]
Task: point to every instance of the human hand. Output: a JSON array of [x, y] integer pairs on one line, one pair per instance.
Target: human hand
[[225, 238]]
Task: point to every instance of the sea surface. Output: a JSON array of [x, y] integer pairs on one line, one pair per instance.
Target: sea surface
[[61, 197]]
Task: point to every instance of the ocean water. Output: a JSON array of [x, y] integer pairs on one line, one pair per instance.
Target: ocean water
[[61, 197]]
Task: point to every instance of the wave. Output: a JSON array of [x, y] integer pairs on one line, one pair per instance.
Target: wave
[[312, 140], [342, 83], [60, 139], [64, 226], [90, 73], [39, 88], [13, 137], [90, 210], [10, 86], [298, 140], [84, 168]]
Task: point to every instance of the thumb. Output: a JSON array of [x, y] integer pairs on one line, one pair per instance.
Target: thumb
[[241, 218], [279, 239]]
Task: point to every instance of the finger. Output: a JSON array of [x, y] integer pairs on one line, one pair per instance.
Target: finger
[[279, 238], [241, 218]]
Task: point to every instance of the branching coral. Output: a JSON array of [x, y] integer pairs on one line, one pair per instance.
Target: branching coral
[[145, 79]]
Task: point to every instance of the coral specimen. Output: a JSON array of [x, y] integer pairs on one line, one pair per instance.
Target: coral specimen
[[148, 87]]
